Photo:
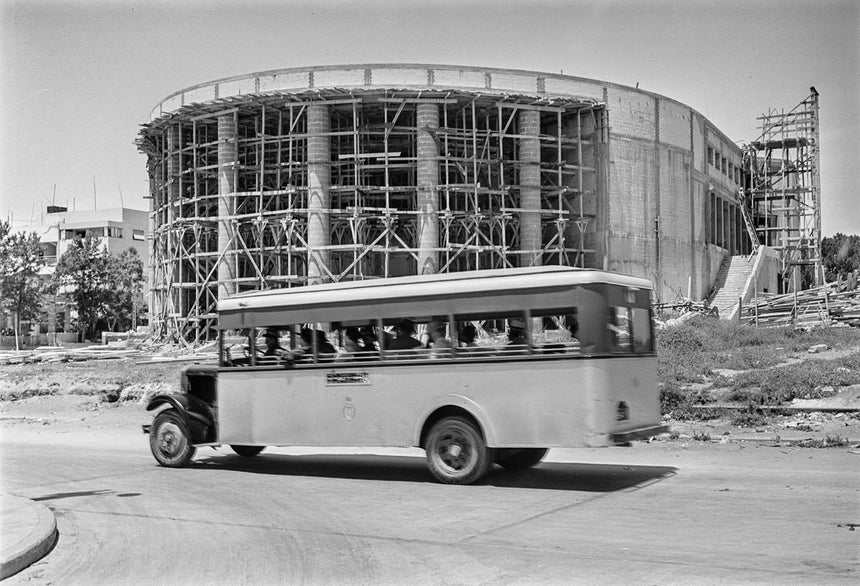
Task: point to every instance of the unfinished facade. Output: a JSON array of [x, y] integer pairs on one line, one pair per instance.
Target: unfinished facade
[[298, 176]]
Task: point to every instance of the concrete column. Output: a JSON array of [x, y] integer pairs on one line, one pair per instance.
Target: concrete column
[[174, 169], [529, 159], [428, 189], [228, 155], [319, 196]]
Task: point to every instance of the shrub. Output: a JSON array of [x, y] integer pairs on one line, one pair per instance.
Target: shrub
[[750, 417], [807, 380], [678, 403]]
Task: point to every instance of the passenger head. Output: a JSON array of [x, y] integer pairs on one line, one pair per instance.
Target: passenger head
[[352, 334], [573, 325], [404, 328], [436, 330], [468, 335], [517, 330], [271, 337], [307, 336]]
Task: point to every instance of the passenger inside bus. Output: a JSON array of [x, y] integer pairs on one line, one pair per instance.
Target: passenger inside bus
[[440, 346], [517, 337], [358, 344], [273, 346], [467, 336], [403, 340], [325, 351]]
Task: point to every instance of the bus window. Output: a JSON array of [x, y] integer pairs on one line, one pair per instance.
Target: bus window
[[618, 328], [556, 330], [642, 338], [235, 349], [502, 333]]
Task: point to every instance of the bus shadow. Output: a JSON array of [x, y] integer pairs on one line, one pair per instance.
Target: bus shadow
[[545, 476]]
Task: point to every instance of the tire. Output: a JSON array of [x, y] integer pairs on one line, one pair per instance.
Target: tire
[[170, 440], [519, 458], [456, 451], [247, 451]]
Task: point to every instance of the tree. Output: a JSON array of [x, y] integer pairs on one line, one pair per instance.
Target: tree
[[125, 299], [102, 286], [840, 255], [82, 273], [20, 287]]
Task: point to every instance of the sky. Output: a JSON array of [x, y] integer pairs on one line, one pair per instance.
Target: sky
[[78, 77]]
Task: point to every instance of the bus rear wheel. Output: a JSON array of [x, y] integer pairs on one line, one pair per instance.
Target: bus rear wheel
[[456, 451], [519, 458], [247, 451], [170, 440]]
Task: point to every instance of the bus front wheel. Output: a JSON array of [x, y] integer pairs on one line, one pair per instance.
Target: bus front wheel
[[456, 451], [519, 458], [247, 451], [170, 440]]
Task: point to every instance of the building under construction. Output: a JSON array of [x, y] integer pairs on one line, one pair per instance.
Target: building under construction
[[296, 176], [783, 190]]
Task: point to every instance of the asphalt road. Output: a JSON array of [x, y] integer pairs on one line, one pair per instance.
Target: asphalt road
[[650, 514]]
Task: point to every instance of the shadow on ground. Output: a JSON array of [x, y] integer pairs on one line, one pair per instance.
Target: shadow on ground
[[546, 476]]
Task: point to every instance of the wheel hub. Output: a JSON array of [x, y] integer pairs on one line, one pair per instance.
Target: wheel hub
[[454, 453], [169, 440]]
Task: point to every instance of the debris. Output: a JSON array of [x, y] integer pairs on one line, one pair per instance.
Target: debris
[[817, 348], [686, 309]]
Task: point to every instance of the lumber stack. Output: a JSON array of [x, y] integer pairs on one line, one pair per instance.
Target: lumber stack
[[830, 304]]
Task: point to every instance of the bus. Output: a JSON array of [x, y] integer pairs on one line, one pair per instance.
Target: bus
[[478, 368]]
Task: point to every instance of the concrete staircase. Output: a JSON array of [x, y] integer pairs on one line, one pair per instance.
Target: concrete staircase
[[732, 283]]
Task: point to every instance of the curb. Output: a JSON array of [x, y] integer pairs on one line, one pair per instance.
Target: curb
[[29, 532]]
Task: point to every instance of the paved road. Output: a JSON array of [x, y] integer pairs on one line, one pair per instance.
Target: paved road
[[653, 513]]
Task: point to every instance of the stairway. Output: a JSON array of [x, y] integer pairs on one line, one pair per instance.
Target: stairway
[[731, 283]]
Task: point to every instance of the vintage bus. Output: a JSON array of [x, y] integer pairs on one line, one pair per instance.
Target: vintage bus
[[477, 368]]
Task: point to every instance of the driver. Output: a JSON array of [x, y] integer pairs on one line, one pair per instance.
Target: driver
[[273, 346]]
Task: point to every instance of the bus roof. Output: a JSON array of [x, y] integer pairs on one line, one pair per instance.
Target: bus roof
[[238, 311]]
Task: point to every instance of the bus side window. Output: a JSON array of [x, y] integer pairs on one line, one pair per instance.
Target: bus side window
[[642, 338], [491, 334], [556, 331]]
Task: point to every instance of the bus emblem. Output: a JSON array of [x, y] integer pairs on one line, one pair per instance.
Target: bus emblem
[[348, 411]]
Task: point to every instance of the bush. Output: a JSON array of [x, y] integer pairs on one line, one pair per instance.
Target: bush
[[807, 380], [750, 417], [678, 403]]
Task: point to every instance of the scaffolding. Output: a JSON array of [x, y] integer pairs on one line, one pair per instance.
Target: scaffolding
[[782, 186], [240, 187]]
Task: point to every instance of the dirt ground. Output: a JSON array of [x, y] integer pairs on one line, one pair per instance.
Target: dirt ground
[[103, 396]]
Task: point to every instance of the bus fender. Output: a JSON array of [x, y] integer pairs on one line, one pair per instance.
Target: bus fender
[[192, 410], [457, 401]]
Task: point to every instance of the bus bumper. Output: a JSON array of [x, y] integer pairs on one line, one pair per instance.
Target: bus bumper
[[637, 434]]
